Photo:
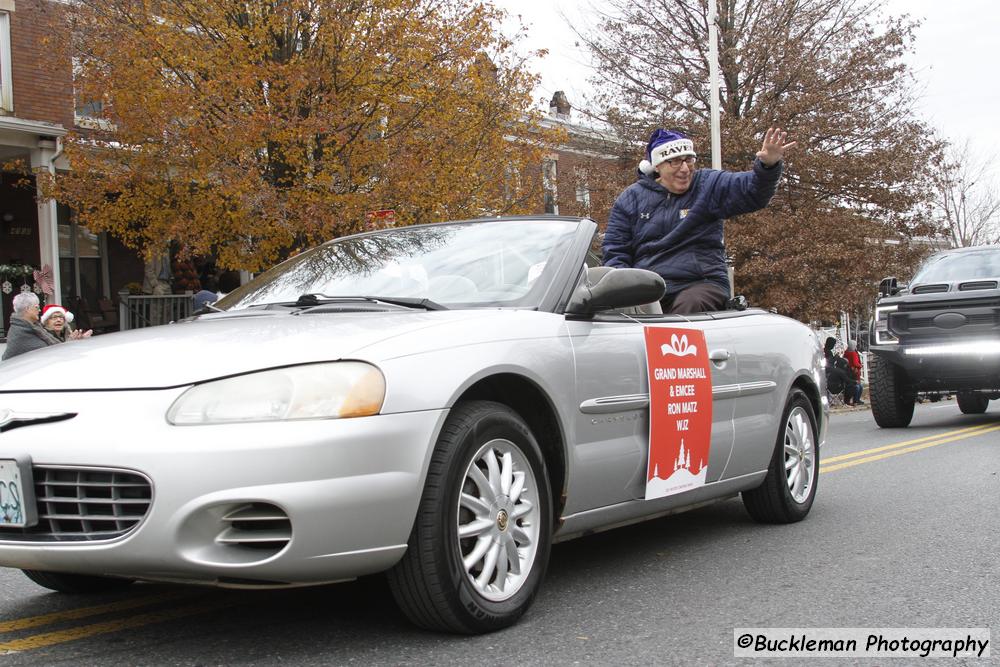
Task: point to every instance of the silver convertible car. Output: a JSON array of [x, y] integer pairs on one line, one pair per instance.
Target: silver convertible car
[[437, 402]]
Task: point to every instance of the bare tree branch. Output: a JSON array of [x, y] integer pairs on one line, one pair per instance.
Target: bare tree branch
[[832, 73]]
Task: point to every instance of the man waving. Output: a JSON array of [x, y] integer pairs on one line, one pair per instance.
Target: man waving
[[670, 220]]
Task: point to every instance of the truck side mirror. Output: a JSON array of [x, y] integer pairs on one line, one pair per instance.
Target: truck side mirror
[[888, 287]]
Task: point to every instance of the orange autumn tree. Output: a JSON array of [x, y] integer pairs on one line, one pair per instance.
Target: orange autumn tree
[[252, 128]]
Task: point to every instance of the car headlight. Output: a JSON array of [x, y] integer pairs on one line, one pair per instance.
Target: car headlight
[[315, 391], [882, 334]]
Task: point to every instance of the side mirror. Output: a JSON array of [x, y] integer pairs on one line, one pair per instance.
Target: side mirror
[[888, 287], [615, 288]]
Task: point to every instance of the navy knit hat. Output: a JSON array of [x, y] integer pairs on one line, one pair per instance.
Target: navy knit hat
[[664, 145]]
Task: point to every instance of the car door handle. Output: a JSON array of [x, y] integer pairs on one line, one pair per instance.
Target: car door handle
[[719, 355]]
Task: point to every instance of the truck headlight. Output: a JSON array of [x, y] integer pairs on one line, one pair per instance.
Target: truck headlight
[[882, 334], [329, 390]]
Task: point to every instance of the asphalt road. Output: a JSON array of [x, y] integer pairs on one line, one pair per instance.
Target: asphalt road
[[902, 536]]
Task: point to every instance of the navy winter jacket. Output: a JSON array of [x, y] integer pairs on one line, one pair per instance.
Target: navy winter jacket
[[680, 236]]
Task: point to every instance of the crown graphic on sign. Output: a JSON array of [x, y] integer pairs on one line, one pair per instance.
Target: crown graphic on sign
[[679, 347]]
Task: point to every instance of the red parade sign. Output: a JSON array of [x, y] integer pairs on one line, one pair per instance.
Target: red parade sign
[[680, 410], [381, 219]]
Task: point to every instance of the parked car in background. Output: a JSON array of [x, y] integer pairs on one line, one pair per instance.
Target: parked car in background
[[937, 336], [437, 402]]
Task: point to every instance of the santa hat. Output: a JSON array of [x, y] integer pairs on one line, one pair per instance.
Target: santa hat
[[665, 145], [52, 309]]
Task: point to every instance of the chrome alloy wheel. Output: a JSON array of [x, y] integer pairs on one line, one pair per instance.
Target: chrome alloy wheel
[[498, 520], [800, 455]]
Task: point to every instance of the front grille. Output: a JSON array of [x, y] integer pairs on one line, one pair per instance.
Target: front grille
[[916, 322], [85, 504], [921, 322], [962, 303]]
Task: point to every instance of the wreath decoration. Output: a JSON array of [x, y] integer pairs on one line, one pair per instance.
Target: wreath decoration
[[11, 272]]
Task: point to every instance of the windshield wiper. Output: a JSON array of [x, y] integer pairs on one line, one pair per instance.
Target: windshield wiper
[[314, 299], [409, 302]]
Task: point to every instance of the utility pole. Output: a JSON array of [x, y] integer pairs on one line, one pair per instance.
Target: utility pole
[[713, 106], [713, 75]]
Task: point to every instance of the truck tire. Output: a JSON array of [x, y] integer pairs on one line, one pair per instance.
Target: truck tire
[[972, 404], [892, 401]]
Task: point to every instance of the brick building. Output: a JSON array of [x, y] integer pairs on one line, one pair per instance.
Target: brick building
[[37, 109], [585, 174]]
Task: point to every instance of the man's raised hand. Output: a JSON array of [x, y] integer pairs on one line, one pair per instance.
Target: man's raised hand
[[773, 149]]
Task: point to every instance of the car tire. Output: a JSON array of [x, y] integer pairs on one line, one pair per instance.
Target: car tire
[[486, 501], [892, 402], [64, 582], [972, 404], [787, 493]]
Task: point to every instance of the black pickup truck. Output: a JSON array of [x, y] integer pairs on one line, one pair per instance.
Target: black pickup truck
[[937, 336]]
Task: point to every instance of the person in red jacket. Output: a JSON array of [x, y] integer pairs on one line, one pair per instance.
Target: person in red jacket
[[854, 361]]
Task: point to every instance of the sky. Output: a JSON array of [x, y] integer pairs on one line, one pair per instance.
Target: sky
[[954, 60]]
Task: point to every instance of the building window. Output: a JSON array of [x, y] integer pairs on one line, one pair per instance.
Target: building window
[[6, 86], [90, 110], [583, 191], [549, 179], [82, 265], [88, 113]]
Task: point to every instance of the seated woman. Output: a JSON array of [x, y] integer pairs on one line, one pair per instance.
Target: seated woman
[[839, 377], [56, 321]]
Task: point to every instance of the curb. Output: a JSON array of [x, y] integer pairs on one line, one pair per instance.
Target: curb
[[849, 408]]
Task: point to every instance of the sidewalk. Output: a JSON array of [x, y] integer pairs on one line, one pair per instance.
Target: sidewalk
[[838, 406]]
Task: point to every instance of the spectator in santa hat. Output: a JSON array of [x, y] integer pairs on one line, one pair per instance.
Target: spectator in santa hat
[[56, 321]]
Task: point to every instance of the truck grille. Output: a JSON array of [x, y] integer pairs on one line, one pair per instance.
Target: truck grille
[[947, 318], [85, 504], [915, 322]]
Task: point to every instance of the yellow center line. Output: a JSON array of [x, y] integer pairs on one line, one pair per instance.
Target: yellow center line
[[117, 625], [867, 452], [84, 612], [915, 448]]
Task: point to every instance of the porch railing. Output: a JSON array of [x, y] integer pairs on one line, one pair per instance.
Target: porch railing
[[147, 310]]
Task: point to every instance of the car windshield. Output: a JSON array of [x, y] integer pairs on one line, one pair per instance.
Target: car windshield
[[968, 265], [474, 264]]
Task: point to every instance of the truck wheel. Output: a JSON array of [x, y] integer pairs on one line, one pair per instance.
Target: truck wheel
[[972, 404], [892, 401], [787, 492], [480, 543]]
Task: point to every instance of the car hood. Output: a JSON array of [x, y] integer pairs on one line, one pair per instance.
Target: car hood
[[215, 346]]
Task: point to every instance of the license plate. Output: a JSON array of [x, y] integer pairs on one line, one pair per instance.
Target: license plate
[[17, 494]]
